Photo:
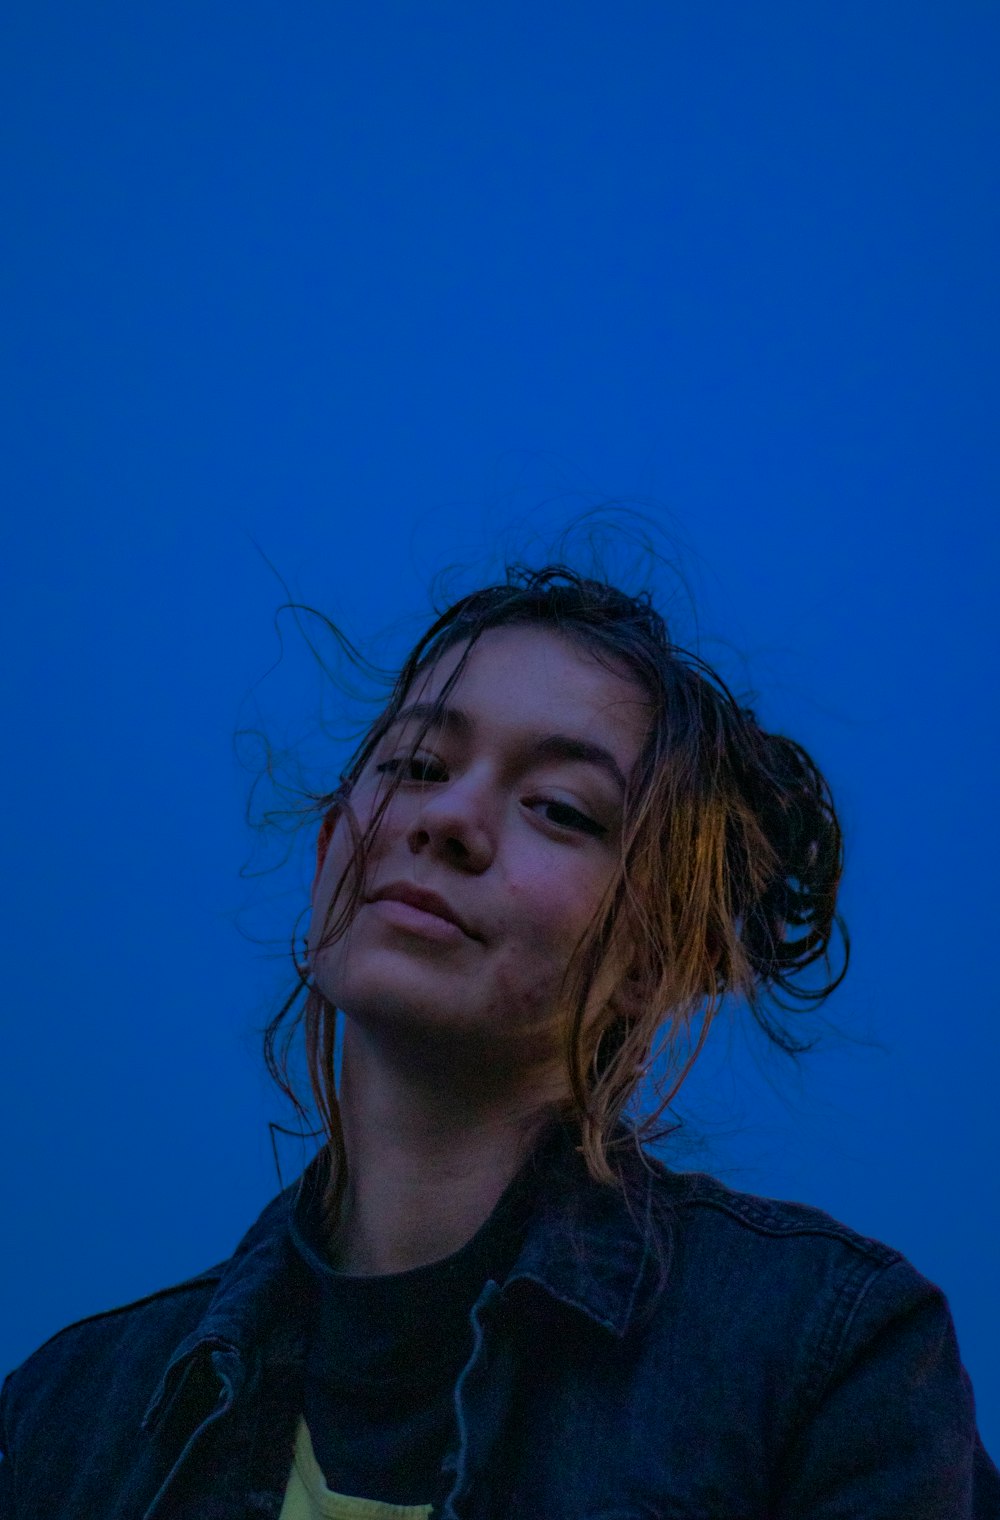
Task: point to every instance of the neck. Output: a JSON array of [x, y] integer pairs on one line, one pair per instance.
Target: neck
[[427, 1160]]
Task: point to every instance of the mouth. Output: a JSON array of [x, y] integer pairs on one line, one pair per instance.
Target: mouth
[[421, 905], [417, 921]]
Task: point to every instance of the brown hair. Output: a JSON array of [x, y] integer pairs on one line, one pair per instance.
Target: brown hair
[[730, 861]]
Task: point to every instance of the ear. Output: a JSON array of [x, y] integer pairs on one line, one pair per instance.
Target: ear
[[629, 998], [625, 987]]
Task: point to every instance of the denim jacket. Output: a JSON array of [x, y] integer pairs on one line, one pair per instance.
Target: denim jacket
[[679, 1349]]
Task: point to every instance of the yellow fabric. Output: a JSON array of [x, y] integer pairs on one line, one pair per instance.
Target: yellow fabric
[[308, 1498]]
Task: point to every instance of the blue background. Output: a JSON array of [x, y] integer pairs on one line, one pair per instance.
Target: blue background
[[373, 288]]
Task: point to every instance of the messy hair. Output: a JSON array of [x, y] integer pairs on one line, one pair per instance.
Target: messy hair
[[730, 859]]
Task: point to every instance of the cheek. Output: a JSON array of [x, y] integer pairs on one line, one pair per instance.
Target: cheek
[[546, 918], [338, 856], [522, 988], [552, 903]]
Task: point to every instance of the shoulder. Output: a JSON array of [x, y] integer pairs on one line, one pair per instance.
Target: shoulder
[[803, 1288], [166, 1306], [847, 1349], [129, 1342], [701, 1204], [795, 1262]]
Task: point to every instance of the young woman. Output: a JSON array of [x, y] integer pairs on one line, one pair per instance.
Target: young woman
[[484, 1299]]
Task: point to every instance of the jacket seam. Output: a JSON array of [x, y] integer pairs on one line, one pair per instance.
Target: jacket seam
[[836, 1335], [876, 1251]]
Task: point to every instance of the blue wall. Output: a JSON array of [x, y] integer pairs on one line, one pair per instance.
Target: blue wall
[[369, 286]]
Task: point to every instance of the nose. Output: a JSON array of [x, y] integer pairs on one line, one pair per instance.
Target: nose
[[455, 821]]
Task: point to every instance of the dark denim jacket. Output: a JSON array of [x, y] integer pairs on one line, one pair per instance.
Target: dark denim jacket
[[716, 1356]]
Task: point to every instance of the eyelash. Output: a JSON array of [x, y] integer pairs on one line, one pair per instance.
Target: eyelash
[[584, 826]]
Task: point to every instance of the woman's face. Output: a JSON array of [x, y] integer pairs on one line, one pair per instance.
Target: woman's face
[[519, 839]]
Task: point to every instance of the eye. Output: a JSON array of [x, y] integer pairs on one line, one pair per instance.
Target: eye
[[571, 817], [414, 764]]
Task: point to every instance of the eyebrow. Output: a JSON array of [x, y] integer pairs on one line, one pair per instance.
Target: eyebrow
[[457, 721]]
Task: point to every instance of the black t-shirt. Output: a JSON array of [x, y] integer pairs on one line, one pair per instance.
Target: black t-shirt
[[386, 1352]]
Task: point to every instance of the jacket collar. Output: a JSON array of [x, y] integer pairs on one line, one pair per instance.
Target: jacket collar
[[602, 1251]]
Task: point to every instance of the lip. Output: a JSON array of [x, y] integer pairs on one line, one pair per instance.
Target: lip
[[421, 898], [414, 921]]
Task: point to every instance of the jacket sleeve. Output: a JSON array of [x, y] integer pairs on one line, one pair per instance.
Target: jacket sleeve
[[892, 1431]]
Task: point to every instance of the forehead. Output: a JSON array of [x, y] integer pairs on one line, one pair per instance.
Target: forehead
[[538, 680]]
